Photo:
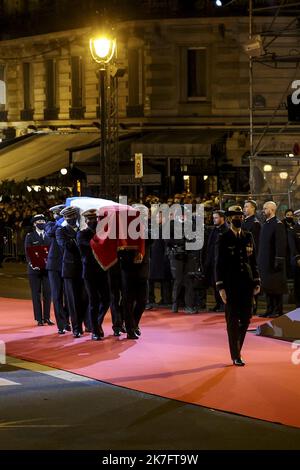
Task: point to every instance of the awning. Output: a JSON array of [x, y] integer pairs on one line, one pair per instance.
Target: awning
[[178, 144], [42, 154]]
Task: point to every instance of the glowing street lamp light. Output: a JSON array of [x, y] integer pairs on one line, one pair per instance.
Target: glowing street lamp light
[[102, 50]]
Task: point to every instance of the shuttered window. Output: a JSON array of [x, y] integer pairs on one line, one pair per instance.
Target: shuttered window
[[27, 85], [196, 73], [50, 84], [76, 82]]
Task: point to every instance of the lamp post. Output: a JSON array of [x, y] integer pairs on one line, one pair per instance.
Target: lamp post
[[102, 50]]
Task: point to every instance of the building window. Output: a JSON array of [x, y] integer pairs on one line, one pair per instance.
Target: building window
[[77, 110], [51, 111], [27, 111], [3, 111], [196, 77], [135, 106], [2, 88], [27, 85]]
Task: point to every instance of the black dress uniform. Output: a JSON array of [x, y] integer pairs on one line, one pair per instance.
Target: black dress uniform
[[38, 278], [72, 271], [95, 280], [272, 265], [116, 301], [252, 224], [237, 273], [54, 268], [134, 288]]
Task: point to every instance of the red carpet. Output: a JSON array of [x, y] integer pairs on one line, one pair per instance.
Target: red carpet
[[178, 356]]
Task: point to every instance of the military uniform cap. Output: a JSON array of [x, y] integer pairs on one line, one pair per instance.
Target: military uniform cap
[[57, 208], [89, 213], [234, 210], [70, 212], [297, 212], [37, 217]]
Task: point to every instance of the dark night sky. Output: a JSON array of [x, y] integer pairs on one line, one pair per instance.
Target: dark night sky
[[42, 16], [53, 15]]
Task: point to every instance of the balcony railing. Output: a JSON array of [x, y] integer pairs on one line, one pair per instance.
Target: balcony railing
[[77, 113], [51, 114], [3, 116], [26, 114]]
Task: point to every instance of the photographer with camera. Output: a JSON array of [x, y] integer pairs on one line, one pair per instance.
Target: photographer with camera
[[183, 262]]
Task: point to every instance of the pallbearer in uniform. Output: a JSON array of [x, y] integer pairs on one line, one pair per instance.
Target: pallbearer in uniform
[[95, 279], [237, 280], [36, 250], [54, 267], [134, 274], [72, 268]]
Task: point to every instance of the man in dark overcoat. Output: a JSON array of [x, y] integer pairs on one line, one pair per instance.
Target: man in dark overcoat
[[209, 254], [271, 261]]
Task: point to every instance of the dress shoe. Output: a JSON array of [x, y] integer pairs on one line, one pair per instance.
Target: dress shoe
[[123, 329], [117, 331], [190, 310], [68, 327], [61, 332], [49, 322], [138, 331], [149, 307], [132, 335], [101, 332], [40, 323], [174, 308], [238, 362], [77, 335], [96, 337]]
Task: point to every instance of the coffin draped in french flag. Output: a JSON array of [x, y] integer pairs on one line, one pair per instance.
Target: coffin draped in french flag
[[120, 227]]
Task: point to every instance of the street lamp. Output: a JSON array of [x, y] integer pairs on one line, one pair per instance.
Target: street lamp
[[102, 50]]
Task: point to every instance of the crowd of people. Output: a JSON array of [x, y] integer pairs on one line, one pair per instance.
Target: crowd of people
[[183, 276]]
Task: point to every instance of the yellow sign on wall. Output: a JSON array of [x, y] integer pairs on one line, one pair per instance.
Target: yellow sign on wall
[[138, 165]]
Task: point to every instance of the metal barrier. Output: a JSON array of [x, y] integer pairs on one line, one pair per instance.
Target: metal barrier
[[14, 243], [10, 246]]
